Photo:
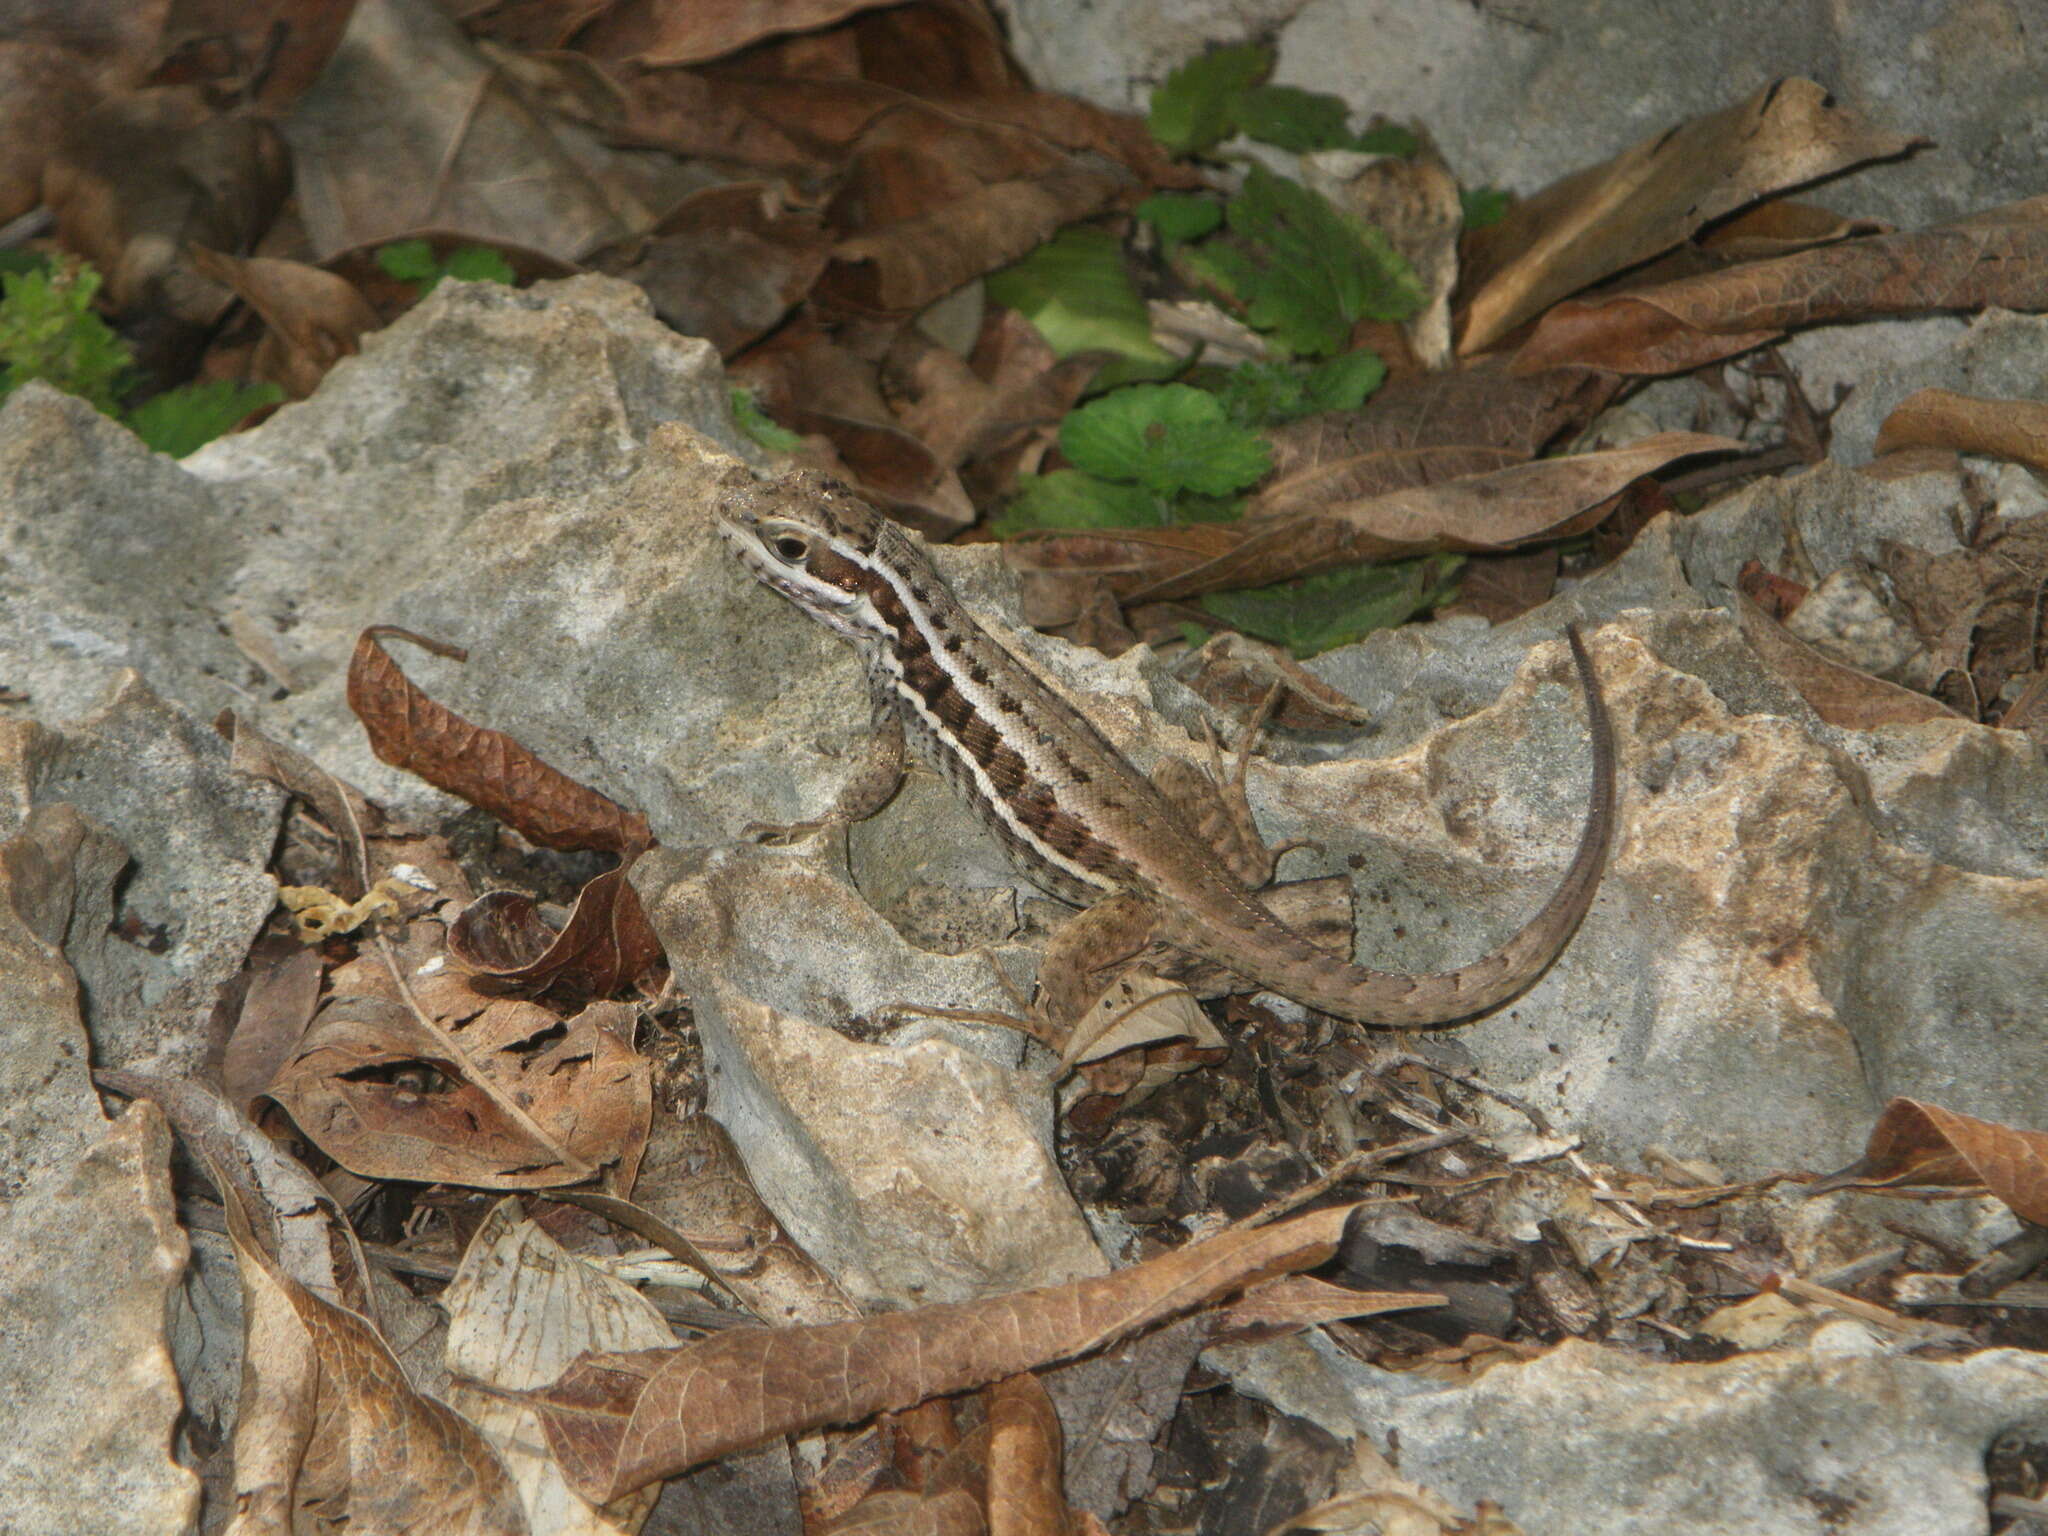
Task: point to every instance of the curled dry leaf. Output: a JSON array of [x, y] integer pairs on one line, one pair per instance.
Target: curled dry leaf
[[1915, 1143], [1609, 217], [1995, 258], [513, 1098], [490, 770], [2016, 430], [619, 1421], [330, 1430], [1840, 695], [607, 943]]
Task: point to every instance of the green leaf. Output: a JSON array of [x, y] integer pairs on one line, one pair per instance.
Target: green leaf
[[478, 264], [1484, 206], [1338, 607], [1294, 119], [1069, 499], [1271, 394], [410, 261], [1076, 291], [1306, 271], [1180, 215], [748, 416], [1342, 383], [1386, 139], [1197, 104], [48, 331], [1167, 437], [20, 260], [1193, 636], [183, 419]]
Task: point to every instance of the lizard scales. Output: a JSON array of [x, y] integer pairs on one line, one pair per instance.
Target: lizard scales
[[1075, 816]]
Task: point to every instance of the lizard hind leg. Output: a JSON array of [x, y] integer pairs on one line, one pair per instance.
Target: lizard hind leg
[[1070, 976]]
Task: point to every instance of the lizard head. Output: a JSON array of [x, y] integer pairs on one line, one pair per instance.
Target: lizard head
[[813, 541]]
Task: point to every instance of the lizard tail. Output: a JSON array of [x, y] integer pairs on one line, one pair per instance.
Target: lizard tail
[[1396, 1000]]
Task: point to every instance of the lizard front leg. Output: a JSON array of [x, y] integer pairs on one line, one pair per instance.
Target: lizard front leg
[[876, 777], [1216, 807]]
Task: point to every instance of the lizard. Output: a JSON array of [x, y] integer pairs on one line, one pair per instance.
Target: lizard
[[1163, 859]]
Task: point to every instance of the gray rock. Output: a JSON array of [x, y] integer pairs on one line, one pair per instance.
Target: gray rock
[[90, 1249], [1517, 99], [1588, 1441]]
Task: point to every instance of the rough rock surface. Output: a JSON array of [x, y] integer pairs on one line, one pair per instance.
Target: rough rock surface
[[1590, 1441], [1517, 97], [90, 1248]]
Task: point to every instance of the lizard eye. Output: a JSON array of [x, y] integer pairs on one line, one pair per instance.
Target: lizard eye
[[789, 547]]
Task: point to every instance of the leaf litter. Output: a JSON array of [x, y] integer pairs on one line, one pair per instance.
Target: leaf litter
[[1394, 423]]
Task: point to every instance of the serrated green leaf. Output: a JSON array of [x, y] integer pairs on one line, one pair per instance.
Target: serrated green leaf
[[1386, 139], [1180, 215], [1196, 106], [1294, 119], [1338, 607], [48, 331], [1267, 394], [748, 416], [180, 420], [410, 261], [1306, 271], [1166, 437], [478, 264], [1070, 499], [1483, 205], [1076, 291]]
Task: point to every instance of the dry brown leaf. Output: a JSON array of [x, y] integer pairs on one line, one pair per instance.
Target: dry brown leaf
[[727, 263], [607, 944], [1915, 1143], [412, 127], [619, 1421], [1548, 499], [809, 382], [409, 730], [141, 178], [512, 1098], [1419, 430], [1302, 1301], [314, 318], [702, 1206], [1609, 217], [1840, 695], [275, 1011], [655, 36], [329, 1429], [338, 804], [300, 1225], [1940, 418], [1025, 1496], [1999, 257], [520, 1309]]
